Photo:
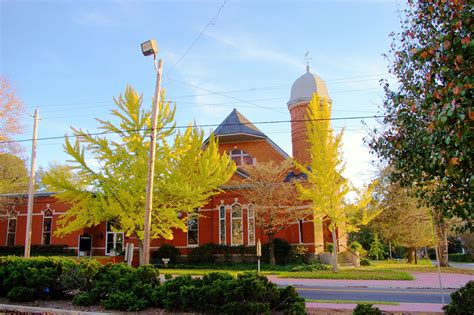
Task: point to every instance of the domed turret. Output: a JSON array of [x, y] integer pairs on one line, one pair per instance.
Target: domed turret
[[301, 94]]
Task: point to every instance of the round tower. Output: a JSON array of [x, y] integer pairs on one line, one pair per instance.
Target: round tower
[[301, 93]]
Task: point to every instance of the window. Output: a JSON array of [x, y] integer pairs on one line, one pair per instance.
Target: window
[[114, 241], [193, 228], [237, 231], [222, 231], [47, 226], [241, 158], [11, 231], [251, 224]]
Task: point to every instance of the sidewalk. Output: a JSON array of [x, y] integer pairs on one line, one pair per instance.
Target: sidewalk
[[327, 308], [422, 280]]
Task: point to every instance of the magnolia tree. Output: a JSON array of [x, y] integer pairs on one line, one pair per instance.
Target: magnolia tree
[[325, 187], [113, 188], [276, 202]]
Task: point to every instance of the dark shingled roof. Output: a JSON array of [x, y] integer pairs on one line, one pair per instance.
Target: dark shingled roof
[[236, 123]]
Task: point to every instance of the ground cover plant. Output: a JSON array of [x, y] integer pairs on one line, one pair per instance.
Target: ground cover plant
[[461, 301]]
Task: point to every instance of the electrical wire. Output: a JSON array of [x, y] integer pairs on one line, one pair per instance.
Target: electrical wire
[[196, 126]]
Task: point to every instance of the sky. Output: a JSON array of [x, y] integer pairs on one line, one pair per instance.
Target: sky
[[70, 58]]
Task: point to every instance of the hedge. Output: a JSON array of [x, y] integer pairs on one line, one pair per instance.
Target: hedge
[[38, 250], [125, 288]]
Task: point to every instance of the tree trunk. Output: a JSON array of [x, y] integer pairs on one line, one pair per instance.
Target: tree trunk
[[411, 255], [334, 250], [271, 250], [442, 239]]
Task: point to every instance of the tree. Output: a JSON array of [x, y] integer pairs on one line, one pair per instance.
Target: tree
[[187, 174], [326, 188], [402, 222], [276, 202], [11, 111], [376, 248], [427, 130], [13, 180]]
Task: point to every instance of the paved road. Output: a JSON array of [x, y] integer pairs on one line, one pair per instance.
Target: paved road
[[373, 294], [458, 265]]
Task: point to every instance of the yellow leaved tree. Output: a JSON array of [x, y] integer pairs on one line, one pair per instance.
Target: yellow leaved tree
[[325, 187], [112, 189]]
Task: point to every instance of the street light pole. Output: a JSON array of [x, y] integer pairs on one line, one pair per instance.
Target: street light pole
[[151, 167], [31, 186]]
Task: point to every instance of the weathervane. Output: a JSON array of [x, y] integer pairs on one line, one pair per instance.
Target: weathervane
[[307, 58]]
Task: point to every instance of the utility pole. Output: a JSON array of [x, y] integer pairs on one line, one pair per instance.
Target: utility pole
[[31, 186], [151, 167]]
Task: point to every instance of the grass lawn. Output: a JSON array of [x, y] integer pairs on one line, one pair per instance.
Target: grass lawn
[[424, 265], [351, 302], [350, 274], [355, 274]]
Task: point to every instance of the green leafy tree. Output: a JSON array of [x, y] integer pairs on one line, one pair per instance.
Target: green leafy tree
[[376, 248], [325, 187], [13, 180], [186, 173], [427, 131]]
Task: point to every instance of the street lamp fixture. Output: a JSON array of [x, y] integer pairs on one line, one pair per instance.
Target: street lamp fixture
[[149, 47]]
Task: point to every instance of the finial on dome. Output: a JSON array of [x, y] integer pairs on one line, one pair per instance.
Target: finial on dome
[[307, 58]]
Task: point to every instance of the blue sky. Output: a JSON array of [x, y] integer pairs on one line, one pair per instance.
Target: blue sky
[[70, 58]]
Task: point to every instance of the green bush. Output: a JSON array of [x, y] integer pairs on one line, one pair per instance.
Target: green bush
[[459, 258], [366, 309], [84, 299], [202, 254], [220, 293], [40, 274], [461, 301], [316, 266], [122, 287], [364, 262], [283, 252], [167, 251], [21, 294], [80, 277], [38, 250], [329, 247]]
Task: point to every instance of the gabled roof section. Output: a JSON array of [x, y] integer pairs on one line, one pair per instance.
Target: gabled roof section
[[237, 124]]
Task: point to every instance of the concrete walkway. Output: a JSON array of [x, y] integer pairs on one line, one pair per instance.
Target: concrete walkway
[[422, 280], [403, 307]]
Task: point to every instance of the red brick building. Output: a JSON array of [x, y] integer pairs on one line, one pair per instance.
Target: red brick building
[[226, 219]]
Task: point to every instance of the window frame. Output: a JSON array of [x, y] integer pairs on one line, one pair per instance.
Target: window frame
[[195, 214], [249, 228], [50, 232], [222, 219], [109, 232], [241, 155], [12, 216], [232, 219]]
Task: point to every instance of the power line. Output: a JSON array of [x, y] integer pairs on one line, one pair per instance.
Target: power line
[[197, 126], [346, 79], [212, 21]]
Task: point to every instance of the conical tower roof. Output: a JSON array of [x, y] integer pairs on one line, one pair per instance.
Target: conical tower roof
[[236, 124]]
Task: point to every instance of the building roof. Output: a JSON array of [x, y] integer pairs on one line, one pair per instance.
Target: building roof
[[25, 195], [305, 86], [237, 124]]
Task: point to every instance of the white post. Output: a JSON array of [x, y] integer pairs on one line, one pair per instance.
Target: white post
[[151, 169], [31, 186], [433, 224]]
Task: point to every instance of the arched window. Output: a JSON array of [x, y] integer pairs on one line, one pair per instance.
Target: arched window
[[241, 158], [193, 228], [11, 231], [251, 224], [222, 235], [47, 226], [236, 223]]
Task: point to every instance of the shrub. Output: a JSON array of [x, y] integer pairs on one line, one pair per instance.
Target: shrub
[[202, 254], [461, 301], [220, 293], [459, 257], [329, 247], [84, 299], [299, 253], [38, 250], [357, 248], [40, 274], [366, 309], [20, 294], [80, 277], [167, 251], [283, 252], [364, 262], [316, 266]]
